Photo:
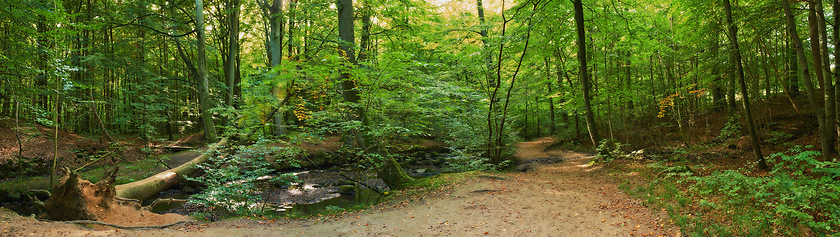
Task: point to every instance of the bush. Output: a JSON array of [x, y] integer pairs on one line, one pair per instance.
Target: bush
[[609, 150], [800, 191], [731, 129], [231, 179]]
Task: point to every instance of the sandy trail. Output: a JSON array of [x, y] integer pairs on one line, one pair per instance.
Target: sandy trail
[[563, 199]]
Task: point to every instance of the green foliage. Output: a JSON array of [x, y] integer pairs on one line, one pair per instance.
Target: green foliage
[[609, 150], [463, 160], [231, 180], [778, 138], [334, 209], [731, 129], [24, 166], [800, 191]]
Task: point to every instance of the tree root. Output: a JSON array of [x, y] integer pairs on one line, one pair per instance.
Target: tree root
[[85, 222], [32, 195]]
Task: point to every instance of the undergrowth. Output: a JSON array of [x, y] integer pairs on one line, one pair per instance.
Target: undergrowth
[[799, 196]]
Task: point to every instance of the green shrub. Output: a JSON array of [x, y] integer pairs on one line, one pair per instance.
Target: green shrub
[[231, 179], [609, 150], [731, 129], [799, 191]]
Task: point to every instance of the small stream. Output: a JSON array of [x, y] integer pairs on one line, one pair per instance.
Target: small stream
[[317, 191]]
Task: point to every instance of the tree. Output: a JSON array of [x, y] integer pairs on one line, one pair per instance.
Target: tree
[[806, 77], [201, 75], [739, 71], [583, 73], [232, 67], [348, 86]]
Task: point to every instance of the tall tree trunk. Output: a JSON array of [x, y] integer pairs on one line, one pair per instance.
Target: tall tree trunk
[[717, 87], [275, 48], [816, 51], [488, 58], [827, 79], [99, 119], [806, 76], [348, 86], [233, 51], [739, 71], [201, 75], [836, 33], [548, 84], [292, 24], [594, 136], [364, 41]]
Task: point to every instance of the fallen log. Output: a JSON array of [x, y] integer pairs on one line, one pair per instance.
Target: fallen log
[[153, 185]]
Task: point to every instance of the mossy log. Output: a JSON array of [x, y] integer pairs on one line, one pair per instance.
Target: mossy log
[[393, 175], [153, 185]]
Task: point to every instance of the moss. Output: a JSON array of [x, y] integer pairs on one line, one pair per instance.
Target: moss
[[393, 175]]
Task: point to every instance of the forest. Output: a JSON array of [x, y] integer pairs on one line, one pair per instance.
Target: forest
[[665, 117]]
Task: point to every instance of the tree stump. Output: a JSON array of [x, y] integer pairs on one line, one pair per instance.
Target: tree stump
[[78, 199]]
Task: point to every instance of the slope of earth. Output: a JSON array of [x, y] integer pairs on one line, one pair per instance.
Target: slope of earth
[[569, 198]]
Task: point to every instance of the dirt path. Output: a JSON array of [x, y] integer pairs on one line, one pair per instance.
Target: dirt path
[[568, 198]]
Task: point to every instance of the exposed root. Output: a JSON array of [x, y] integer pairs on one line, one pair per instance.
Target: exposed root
[[86, 222]]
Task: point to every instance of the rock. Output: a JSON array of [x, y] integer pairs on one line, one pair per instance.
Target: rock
[[347, 189], [344, 182]]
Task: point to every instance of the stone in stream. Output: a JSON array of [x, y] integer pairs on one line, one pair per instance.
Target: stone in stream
[[344, 182], [347, 189]]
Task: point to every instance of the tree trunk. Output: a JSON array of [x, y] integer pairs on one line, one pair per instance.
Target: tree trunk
[[151, 186], [488, 58], [99, 120], [816, 51], [739, 71], [275, 11], [348, 86], [233, 51], [551, 115], [364, 41], [827, 79], [836, 33], [806, 77], [594, 136], [201, 76], [717, 88], [393, 175]]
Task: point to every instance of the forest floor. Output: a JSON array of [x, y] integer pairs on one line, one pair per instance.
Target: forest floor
[[569, 198]]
